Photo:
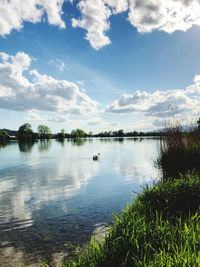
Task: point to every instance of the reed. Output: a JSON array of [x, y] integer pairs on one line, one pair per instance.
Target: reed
[[179, 150]]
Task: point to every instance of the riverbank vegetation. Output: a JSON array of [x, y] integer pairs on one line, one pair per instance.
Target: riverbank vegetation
[[162, 225], [160, 228], [4, 137], [180, 150], [25, 132]]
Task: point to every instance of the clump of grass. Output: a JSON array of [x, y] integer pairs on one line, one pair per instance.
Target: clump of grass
[[179, 150], [175, 160], [160, 228]]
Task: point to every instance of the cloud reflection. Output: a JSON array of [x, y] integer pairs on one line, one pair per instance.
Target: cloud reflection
[[41, 180], [135, 163]]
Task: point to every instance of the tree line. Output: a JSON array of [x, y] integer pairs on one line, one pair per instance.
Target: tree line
[[25, 132]]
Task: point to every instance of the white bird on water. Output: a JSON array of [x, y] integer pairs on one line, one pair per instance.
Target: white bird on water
[[95, 157]]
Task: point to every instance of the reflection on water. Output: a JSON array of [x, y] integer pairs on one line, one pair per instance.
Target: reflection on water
[[3, 144], [25, 146], [78, 142], [52, 192], [44, 145]]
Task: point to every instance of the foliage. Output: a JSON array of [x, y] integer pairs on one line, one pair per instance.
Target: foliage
[[180, 150], [78, 133], [176, 160], [11, 132], [61, 135], [25, 132], [3, 136], [44, 132], [156, 230], [121, 133]]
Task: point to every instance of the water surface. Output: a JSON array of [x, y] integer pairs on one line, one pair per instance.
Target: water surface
[[52, 194]]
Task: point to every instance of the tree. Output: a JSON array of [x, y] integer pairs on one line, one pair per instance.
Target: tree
[[61, 135], [120, 133], [90, 134], [44, 132], [78, 133], [25, 132], [3, 136]]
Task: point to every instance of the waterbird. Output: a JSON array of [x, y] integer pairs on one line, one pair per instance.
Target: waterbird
[[95, 157]]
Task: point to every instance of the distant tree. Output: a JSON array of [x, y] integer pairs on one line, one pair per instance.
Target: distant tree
[[3, 136], [61, 135], [135, 133], [78, 133], [90, 134], [120, 133], [44, 132], [198, 123], [10, 132], [25, 132]]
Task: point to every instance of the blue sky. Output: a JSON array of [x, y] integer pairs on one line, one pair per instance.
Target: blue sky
[[99, 64]]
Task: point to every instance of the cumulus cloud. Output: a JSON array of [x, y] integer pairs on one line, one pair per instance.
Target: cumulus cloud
[[167, 15], [117, 6], [14, 13], [43, 93], [94, 18], [161, 104], [145, 15]]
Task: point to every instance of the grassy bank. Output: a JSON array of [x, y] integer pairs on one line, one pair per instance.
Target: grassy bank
[[162, 225], [160, 228]]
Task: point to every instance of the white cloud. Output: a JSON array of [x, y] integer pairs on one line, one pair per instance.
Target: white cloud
[[166, 15], [14, 13], [95, 121], [44, 93], [81, 83], [34, 115], [59, 64], [99, 121], [94, 18], [145, 15], [160, 105], [117, 6]]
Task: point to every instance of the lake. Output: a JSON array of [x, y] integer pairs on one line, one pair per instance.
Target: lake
[[53, 196]]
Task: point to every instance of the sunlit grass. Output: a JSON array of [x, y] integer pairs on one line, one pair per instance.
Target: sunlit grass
[[161, 228]]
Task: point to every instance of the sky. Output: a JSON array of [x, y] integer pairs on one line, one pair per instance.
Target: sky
[[99, 65]]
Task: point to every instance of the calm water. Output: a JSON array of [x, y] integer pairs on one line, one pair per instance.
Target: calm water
[[52, 194]]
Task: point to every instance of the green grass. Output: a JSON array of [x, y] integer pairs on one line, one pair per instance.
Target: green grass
[[160, 228], [179, 159], [179, 150]]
